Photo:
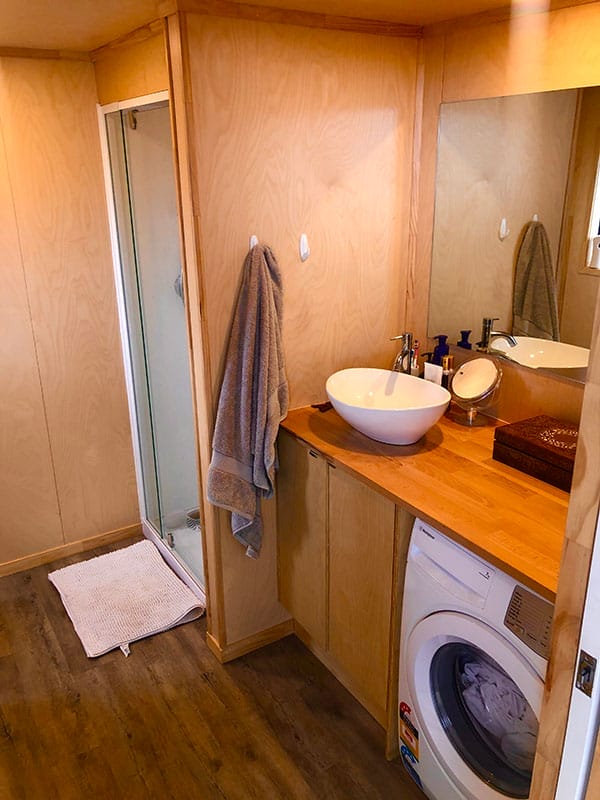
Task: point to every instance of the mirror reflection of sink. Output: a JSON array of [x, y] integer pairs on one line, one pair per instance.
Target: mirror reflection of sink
[[387, 406], [531, 352]]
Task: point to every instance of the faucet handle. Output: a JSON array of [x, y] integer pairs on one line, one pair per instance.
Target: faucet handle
[[403, 336], [487, 323]]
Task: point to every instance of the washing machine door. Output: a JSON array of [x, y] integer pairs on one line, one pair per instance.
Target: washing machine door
[[478, 701]]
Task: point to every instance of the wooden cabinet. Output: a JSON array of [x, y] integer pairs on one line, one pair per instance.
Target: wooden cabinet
[[302, 536], [336, 564], [361, 557]]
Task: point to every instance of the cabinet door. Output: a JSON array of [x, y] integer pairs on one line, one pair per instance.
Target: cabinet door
[[302, 536], [361, 555]]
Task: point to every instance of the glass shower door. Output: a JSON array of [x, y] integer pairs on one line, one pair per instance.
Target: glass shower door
[[145, 201]]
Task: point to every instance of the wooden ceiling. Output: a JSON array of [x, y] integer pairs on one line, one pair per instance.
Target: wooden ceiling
[[88, 24]]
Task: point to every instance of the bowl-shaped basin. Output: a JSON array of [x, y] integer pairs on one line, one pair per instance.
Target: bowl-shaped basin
[[387, 406], [532, 352]]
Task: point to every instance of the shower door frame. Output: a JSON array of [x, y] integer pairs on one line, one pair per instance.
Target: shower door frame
[[147, 528]]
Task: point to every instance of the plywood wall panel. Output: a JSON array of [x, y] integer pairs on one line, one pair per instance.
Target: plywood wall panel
[[580, 542], [29, 516], [131, 69], [304, 131], [52, 147], [298, 131], [529, 53]]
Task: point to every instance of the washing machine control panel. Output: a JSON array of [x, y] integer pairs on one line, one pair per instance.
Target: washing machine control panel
[[529, 617]]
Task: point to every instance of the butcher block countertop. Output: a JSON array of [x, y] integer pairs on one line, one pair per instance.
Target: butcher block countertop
[[450, 480]]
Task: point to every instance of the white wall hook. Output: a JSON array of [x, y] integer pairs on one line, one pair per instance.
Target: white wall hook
[[253, 241], [503, 229], [535, 218], [303, 247]]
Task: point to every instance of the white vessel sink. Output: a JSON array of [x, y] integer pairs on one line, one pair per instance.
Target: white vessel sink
[[387, 406], [531, 352]]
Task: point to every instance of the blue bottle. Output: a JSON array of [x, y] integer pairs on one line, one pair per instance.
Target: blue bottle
[[440, 350], [464, 340]]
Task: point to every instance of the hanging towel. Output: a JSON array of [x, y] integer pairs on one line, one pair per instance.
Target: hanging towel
[[535, 311], [252, 403]]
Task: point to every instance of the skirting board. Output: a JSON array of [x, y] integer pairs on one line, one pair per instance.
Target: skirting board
[[250, 643], [47, 556]]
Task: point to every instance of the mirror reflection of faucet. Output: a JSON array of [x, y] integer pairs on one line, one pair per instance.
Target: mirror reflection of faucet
[[488, 335]]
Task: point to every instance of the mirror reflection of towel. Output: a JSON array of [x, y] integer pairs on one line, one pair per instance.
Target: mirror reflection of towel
[[535, 310]]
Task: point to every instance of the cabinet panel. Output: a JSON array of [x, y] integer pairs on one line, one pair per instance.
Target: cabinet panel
[[302, 536], [361, 554]]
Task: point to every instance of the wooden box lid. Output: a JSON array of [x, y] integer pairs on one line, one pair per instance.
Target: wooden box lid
[[546, 438]]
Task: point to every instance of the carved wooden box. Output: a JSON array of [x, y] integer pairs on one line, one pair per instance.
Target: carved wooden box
[[541, 446]]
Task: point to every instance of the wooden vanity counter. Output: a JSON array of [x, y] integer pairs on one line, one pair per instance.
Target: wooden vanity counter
[[449, 479]]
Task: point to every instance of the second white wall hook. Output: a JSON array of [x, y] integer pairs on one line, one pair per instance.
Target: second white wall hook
[[503, 229], [303, 247], [253, 241]]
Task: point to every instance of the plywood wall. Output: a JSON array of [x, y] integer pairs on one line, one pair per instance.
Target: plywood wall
[[133, 67], [528, 53], [29, 520], [505, 157], [305, 131], [299, 131], [68, 352]]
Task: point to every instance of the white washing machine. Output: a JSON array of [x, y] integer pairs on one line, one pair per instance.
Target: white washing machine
[[473, 655]]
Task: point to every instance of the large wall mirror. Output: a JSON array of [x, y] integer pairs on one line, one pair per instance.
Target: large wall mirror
[[503, 162]]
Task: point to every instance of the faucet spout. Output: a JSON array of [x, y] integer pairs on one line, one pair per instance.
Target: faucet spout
[[502, 335], [403, 359], [488, 335]]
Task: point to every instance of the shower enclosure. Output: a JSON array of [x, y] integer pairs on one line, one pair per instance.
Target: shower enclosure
[[142, 200]]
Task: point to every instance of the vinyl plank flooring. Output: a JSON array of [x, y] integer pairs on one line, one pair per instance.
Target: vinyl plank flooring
[[170, 722]]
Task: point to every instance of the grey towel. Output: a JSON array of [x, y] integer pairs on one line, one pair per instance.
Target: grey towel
[[252, 403], [535, 311]]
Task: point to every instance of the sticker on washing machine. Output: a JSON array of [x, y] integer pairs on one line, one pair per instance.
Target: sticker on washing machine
[[409, 762], [408, 733]]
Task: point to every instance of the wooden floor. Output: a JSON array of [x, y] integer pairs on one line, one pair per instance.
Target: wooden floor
[[170, 721]]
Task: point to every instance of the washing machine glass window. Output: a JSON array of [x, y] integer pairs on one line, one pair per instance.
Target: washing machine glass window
[[485, 715], [472, 642]]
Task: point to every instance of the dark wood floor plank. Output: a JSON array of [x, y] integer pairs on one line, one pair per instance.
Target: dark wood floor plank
[[170, 722], [319, 722]]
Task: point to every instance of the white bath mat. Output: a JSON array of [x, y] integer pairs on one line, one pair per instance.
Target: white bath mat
[[123, 596]]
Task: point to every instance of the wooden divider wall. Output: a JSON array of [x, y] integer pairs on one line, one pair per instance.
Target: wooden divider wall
[[298, 130], [66, 443]]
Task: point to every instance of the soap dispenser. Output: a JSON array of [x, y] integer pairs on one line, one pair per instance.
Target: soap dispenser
[[440, 350]]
